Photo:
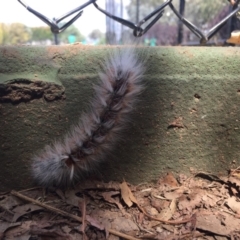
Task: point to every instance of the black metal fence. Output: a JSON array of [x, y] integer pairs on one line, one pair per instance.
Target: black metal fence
[[145, 25]]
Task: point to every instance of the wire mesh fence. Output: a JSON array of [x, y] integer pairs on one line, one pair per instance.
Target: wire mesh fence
[[158, 22]]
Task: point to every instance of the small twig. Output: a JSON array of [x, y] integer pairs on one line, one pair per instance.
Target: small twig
[[123, 235], [65, 214], [30, 189], [82, 207], [50, 208], [171, 222], [233, 214]]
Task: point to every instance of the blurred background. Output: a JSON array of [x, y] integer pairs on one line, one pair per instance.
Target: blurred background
[[19, 26]]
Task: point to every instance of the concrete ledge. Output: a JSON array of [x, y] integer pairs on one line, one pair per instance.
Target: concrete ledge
[[188, 116]]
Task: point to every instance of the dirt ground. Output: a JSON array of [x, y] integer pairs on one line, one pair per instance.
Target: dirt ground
[[202, 206]]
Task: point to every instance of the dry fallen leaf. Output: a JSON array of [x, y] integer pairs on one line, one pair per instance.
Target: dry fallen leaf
[[169, 180], [127, 195], [233, 204], [108, 197], [176, 193], [123, 224], [94, 222], [24, 209], [9, 202], [5, 225], [235, 37], [211, 222], [168, 212], [72, 199], [20, 231], [53, 233]]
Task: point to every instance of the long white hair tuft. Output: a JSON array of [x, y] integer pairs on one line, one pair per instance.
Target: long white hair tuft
[[98, 130]]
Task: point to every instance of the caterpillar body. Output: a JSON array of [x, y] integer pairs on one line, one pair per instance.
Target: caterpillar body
[[63, 163]]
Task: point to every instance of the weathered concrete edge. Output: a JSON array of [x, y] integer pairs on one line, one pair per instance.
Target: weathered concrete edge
[[199, 85]]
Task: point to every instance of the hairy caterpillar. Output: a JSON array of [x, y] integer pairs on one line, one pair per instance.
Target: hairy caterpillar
[[63, 163]]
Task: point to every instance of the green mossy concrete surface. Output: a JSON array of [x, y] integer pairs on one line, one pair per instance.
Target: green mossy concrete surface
[[188, 117]]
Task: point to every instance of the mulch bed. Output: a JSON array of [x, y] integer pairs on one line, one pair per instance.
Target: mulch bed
[[203, 206]]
